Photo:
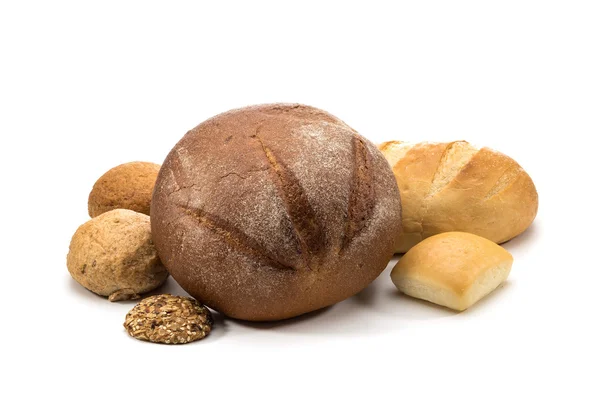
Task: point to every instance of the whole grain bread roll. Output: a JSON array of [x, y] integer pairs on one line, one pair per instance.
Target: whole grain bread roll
[[458, 187], [112, 255], [126, 186], [272, 211]]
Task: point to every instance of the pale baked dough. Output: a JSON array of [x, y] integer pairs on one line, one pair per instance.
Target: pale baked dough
[[453, 269]]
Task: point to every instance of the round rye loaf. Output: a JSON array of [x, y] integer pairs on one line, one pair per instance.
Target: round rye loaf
[[272, 211]]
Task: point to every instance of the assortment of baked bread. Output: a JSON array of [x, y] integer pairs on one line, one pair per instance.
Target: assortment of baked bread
[[272, 211]]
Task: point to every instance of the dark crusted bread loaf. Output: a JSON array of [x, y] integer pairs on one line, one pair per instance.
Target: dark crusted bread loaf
[[272, 211]]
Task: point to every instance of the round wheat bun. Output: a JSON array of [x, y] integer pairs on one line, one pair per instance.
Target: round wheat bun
[[127, 186], [113, 255], [272, 211]]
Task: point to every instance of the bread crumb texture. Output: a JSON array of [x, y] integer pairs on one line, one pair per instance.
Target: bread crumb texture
[[113, 255], [453, 269], [168, 319], [127, 186]]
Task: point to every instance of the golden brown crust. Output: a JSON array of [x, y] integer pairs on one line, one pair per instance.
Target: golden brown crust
[[272, 211], [127, 186], [456, 187], [453, 269]]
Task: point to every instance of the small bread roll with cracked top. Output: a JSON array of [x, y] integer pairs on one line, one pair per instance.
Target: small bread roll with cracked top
[[453, 269], [126, 186], [113, 255], [455, 186]]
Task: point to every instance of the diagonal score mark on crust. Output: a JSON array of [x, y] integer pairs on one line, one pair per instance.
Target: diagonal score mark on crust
[[508, 177], [453, 160], [395, 151], [177, 166], [235, 238], [384, 146], [362, 195], [308, 231]]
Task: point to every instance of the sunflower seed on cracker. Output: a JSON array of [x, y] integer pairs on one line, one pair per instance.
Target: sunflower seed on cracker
[[168, 319]]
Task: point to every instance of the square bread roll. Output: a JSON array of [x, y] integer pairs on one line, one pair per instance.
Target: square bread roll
[[453, 269]]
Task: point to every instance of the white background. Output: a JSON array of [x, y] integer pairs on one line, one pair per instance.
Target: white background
[[86, 87]]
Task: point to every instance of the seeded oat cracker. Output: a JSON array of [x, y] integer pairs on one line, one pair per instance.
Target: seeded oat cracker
[[168, 319]]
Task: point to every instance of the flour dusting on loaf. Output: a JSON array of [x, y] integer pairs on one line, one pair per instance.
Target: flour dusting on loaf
[[272, 211]]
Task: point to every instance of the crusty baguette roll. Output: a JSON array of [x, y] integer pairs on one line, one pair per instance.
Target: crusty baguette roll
[[452, 269], [458, 187]]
